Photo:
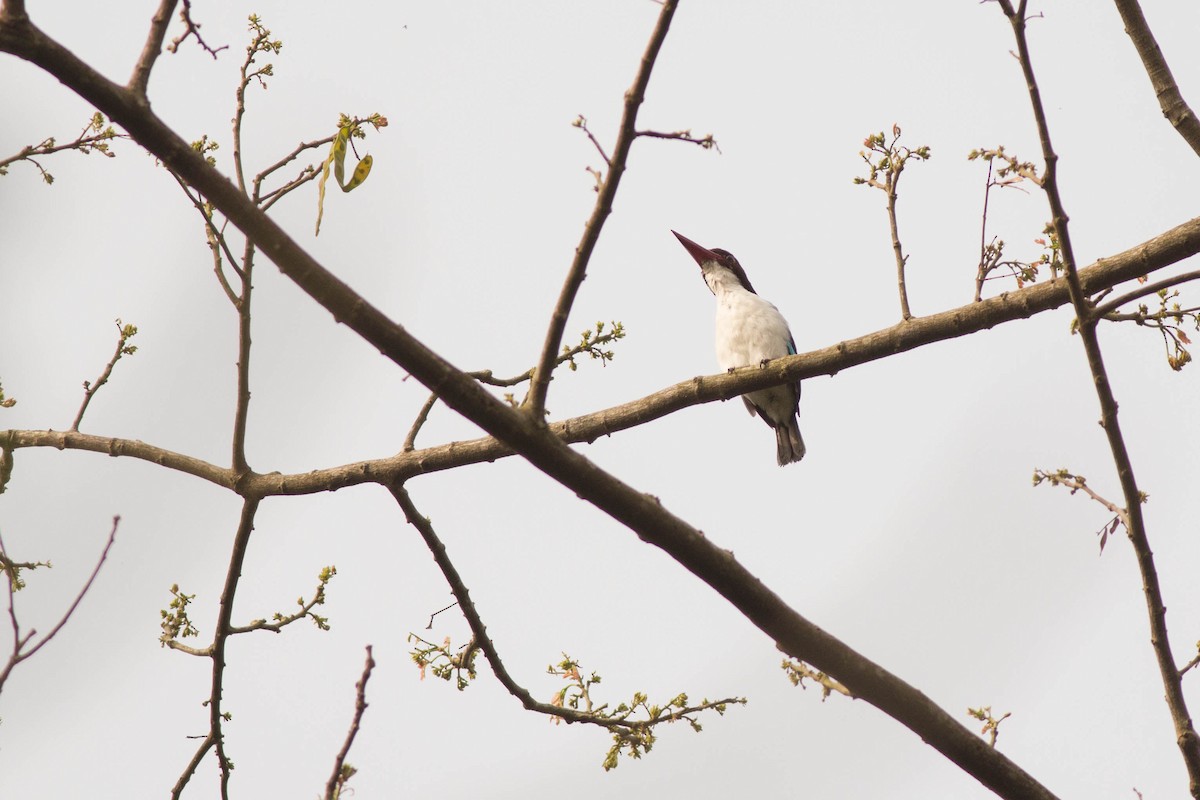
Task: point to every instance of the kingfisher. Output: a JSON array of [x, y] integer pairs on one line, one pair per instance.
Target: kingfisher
[[750, 331]]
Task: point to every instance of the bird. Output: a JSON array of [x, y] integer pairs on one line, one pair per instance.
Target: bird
[[750, 331]]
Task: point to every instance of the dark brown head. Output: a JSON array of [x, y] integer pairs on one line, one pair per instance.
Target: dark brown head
[[722, 258]]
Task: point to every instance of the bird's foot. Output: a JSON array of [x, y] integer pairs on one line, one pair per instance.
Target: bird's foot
[[763, 364]]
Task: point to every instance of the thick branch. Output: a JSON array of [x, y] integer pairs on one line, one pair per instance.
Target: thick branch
[[1161, 251], [591, 233], [1174, 107]]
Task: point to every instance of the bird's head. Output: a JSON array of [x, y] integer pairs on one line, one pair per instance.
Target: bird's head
[[711, 261]]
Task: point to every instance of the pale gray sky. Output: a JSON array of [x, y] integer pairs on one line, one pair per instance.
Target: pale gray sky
[[911, 530]]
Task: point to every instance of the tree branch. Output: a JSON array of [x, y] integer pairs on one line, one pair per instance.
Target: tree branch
[[13, 11], [215, 739], [1185, 733], [140, 79], [1144, 291], [536, 399], [342, 771], [19, 653], [479, 638], [1161, 251], [1174, 107], [124, 334]]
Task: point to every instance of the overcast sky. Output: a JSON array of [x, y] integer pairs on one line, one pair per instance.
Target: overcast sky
[[911, 530]]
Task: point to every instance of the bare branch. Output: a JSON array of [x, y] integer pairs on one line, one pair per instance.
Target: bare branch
[[1185, 733], [19, 653], [281, 621], [260, 43], [94, 138], [217, 243], [215, 738], [1174, 107], [191, 28], [706, 142], [581, 123], [888, 163], [342, 772], [1191, 664], [1144, 291], [124, 334], [589, 344], [12, 11], [241, 412], [536, 399], [628, 733], [140, 78], [439, 611], [69, 440]]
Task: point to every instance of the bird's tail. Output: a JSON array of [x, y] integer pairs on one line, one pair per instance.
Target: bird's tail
[[789, 445]]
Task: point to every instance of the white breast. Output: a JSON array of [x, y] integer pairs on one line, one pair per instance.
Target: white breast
[[749, 329]]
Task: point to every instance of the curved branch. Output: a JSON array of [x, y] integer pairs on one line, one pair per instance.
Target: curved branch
[[536, 399], [71, 440], [1145, 291]]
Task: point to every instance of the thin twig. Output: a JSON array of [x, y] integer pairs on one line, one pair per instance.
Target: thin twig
[[217, 243], [124, 334], [587, 345], [439, 611], [536, 399], [707, 141], [85, 143], [1174, 107], [342, 771], [410, 441], [1185, 733], [481, 639], [192, 28], [982, 274], [1189, 666], [1144, 291], [241, 413], [19, 653], [581, 123]]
